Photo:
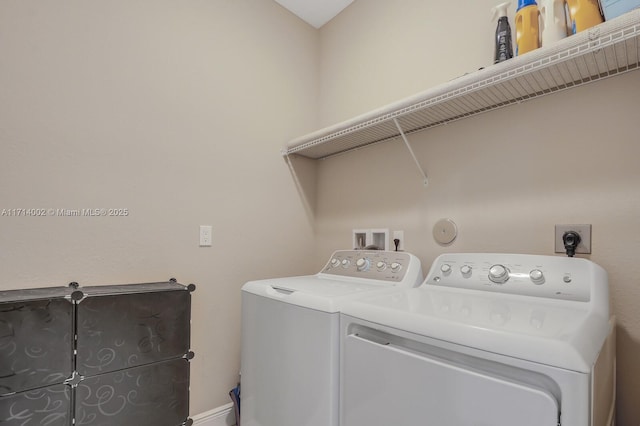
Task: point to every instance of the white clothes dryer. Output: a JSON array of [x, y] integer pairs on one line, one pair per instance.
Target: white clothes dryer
[[290, 335], [487, 339]]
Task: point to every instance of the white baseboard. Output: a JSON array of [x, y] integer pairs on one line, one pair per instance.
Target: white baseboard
[[221, 416]]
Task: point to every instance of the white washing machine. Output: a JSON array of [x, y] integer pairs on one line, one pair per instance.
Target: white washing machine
[[290, 335], [486, 340]]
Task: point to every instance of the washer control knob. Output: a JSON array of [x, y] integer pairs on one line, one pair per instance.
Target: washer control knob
[[498, 274], [345, 263], [465, 269], [395, 266], [536, 276], [363, 264], [381, 266], [335, 263], [445, 268]]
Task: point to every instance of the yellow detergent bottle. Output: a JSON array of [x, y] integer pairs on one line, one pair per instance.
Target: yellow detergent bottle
[[583, 14], [527, 26]]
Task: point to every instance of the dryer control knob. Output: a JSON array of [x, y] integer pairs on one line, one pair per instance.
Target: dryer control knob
[[536, 276], [395, 266], [445, 268], [345, 263], [465, 269], [335, 263], [498, 274], [363, 264], [381, 266]]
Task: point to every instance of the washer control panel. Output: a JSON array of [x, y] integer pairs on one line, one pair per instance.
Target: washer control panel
[[533, 275], [372, 264]]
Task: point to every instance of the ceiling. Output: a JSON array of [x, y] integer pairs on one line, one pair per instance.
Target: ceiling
[[315, 12]]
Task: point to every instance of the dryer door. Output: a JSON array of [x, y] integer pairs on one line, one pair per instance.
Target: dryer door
[[385, 384]]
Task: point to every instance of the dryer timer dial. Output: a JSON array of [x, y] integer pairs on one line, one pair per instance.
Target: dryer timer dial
[[499, 274]]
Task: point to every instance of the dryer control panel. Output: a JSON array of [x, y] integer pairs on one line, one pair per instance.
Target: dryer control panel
[[391, 266], [532, 275]]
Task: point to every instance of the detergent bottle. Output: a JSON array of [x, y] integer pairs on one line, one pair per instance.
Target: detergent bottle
[[583, 14], [553, 21], [504, 45], [527, 27]]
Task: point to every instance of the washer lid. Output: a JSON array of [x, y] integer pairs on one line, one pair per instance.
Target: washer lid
[[564, 334], [315, 291]]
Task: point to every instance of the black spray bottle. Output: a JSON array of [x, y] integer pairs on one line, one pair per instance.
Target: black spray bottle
[[504, 46]]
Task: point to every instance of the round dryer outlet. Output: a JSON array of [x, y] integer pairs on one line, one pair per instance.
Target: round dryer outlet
[[445, 231]]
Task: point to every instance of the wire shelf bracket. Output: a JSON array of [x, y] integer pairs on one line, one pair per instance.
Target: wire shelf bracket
[[425, 181]]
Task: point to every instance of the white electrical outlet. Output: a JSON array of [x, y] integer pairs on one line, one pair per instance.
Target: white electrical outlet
[[206, 232]]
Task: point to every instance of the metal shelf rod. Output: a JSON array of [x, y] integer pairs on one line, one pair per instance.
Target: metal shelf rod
[[425, 181]]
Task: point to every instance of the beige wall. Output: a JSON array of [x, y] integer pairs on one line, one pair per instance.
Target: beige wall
[[176, 111], [379, 51], [505, 177]]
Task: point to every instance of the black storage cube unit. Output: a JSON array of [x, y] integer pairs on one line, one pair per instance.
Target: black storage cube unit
[[36, 356], [103, 356], [117, 331], [50, 405], [154, 394]]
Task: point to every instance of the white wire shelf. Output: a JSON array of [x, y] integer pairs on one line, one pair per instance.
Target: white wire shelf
[[609, 49]]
